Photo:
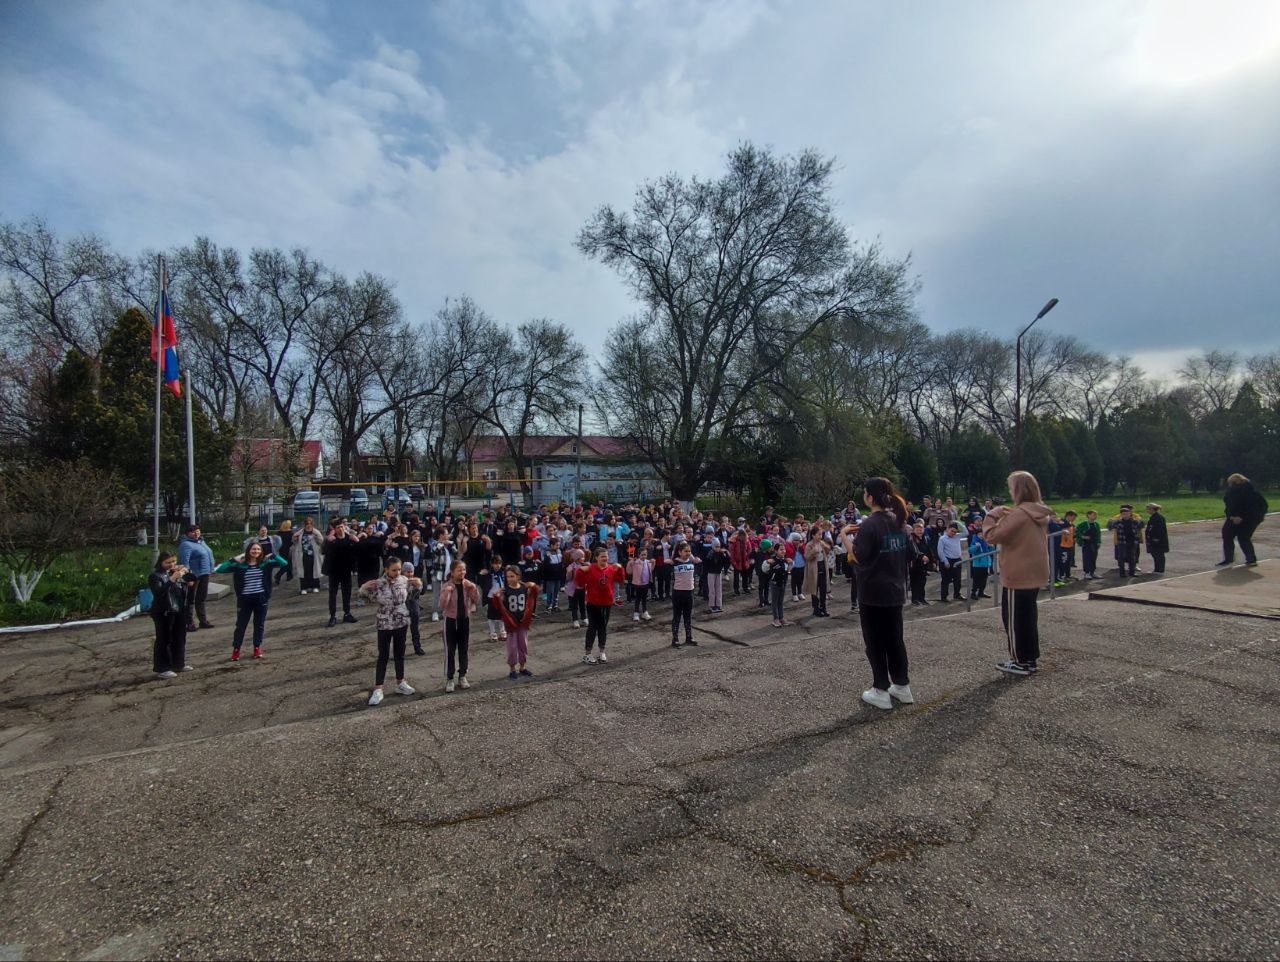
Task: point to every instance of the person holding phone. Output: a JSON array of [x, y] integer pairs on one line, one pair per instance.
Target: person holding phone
[[171, 586]]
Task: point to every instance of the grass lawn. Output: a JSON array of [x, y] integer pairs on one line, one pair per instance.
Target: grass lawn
[[1175, 507], [92, 584]]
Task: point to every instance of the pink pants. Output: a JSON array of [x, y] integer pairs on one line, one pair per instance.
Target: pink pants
[[715, 591], [517, 646]]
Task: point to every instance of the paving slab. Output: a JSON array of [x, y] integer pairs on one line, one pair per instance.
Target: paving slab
[[1238, 590]]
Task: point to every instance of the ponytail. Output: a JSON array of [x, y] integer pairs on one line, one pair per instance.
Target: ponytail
[[882, 494]]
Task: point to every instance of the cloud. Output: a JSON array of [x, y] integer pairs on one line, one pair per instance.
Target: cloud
[[1018, 151]]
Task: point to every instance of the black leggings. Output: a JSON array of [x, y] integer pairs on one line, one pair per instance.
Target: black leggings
[[457, 639], [681, 608], [886, 651], [387, 637], [597, 624], [1021, 626], [578, 605], [797, 580], [763, 586], [641, 599], [1231, 533], [741, 581]]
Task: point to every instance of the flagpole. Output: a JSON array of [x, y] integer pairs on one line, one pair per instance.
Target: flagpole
[[191, 457], [158, 335]]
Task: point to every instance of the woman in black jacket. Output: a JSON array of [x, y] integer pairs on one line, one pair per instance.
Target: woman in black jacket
[[170, 586], [1157, 535], [1245, 509]]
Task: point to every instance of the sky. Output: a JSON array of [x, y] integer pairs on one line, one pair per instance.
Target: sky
[[1122, 156]]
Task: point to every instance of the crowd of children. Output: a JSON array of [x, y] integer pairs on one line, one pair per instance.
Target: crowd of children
[[600, 557]]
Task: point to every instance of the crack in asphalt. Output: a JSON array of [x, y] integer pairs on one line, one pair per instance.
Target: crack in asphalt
[[24, 835]]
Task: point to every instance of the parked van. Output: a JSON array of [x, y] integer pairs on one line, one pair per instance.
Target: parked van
[[306, 503]]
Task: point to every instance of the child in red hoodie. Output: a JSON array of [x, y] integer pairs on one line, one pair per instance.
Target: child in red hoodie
[[598, 579], [515, 603]]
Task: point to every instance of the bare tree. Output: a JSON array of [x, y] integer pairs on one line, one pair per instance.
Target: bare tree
[[271, 321], [56, 291], [1264, 372], [528, 384], [733, 274], [1214, 378], [91, 505], [461, 343]]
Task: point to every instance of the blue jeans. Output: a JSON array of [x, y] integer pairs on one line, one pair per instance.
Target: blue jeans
[[255, 607]]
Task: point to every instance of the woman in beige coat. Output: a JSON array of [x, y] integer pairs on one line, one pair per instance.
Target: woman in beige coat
[[1021, 533]]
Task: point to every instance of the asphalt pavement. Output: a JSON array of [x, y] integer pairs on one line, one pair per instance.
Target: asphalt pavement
[[730, 801]]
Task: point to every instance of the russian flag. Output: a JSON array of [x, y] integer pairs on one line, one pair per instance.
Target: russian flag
[[163, 321]]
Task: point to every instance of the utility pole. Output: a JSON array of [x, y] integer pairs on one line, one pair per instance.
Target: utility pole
[[577, 481]]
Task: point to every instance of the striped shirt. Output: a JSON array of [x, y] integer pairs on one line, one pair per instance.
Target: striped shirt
[[252, 580]]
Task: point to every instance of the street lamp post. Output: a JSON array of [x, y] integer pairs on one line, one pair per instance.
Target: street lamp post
[[1017, 384]]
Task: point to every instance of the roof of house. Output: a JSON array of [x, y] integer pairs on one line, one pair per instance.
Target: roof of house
[[494, 448], [264, 451]]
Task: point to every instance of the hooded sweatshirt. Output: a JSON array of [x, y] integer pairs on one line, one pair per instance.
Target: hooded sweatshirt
[[1020, 533]]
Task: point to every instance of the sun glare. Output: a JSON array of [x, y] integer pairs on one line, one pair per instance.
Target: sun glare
[[1193, 41]]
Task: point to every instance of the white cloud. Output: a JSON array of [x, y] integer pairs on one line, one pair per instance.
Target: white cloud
[[1013, 148]]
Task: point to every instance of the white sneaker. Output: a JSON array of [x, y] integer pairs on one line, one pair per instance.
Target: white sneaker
[[603, 656], [435, 616], [493, 637], [647, 617], [188, 668], [877, 698], [448, 685], [405, 688], [576, 625], [902, 693], [376, 697], [166, 674], [588, 659], [463, 683], [636, 616], [803, 597], [315, 591]]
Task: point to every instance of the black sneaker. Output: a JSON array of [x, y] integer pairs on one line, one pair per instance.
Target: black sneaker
[[349, 618], [332, 622], [1222, 563], [526, 673], [676, 644], [690, 641], [1013, 668]]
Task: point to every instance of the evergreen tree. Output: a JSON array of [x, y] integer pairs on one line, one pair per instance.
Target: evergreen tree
[[114, 429], [917, 469], [1068, 478], [1037, 455]]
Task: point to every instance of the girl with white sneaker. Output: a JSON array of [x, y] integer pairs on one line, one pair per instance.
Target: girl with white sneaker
[[391, 593], [880, 556], [459, 598]]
